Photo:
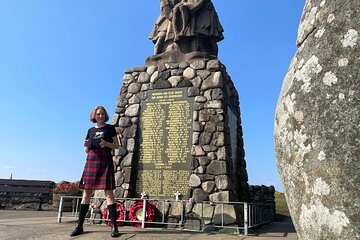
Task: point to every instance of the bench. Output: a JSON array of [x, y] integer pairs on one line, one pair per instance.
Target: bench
[[25, 191]]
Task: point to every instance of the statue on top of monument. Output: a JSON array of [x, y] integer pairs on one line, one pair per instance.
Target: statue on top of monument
[[188, 26]]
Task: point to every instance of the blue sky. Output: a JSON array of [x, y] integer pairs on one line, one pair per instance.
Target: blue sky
[[60, 58]]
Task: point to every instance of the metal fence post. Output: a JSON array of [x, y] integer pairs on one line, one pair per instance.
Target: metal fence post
[[144, 214], [250, 215], [222, 214], [77, 207], [182, 215], [246, 226], [163, 212], [202, 216], [60, 210]]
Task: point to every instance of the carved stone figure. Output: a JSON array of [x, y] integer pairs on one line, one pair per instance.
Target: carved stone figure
[[187, 26]]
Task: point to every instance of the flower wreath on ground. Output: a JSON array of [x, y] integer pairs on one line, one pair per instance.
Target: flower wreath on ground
[[120, 209], [136, 212]]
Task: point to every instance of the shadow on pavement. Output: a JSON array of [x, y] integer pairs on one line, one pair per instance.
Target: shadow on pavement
[[281, 228]]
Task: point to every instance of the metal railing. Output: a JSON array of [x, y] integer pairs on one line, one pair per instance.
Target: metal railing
[[247, 215]]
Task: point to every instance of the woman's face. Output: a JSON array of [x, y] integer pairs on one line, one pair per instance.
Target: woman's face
[[100, 116]]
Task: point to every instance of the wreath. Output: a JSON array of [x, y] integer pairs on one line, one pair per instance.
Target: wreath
[[120, 209], [136, 212]]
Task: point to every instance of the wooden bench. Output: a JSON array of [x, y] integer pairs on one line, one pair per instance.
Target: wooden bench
[[25, 191]]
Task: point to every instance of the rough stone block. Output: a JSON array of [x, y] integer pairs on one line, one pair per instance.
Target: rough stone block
[[132, 110], [143, 77], [198, 64], [214, 104], [162, 84], [127, 161], [204, 211], [130, 132], [228, 212], [223, 196], [151, 69], [174, 80], [216, 168], [124, 122], [189, 73], [197, 151], [222, 182], [194, 181], [176, 209], [215, 80], [154, 77], [214, 65], [208, 186], [199, 195], [134, 88]]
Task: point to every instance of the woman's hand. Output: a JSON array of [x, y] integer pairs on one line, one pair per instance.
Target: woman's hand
[[103, 143], [87, 143], [113, 145]]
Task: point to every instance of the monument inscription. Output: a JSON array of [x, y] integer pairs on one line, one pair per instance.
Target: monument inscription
[[165, 143], [233, 133]]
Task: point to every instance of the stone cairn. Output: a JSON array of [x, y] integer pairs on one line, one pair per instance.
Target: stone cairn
[[214, 177], [213, 89]]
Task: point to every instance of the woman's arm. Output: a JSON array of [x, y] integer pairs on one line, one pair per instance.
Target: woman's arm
[[113, 145], [87, 145]]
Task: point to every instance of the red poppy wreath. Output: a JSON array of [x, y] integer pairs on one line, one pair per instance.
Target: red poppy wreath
[[136, 213], [120, 209]]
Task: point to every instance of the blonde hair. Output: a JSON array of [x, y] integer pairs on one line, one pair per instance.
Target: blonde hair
[[93, 114]]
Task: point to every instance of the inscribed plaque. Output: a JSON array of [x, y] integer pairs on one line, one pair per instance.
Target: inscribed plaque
[[233, 127], [165, 143]]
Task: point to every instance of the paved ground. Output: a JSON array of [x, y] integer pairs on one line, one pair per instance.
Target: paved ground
[[16, 224]]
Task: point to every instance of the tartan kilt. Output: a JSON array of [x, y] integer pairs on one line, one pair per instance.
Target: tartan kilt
[[98, 172]]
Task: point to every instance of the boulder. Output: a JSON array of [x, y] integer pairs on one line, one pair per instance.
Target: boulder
[[317, 124]]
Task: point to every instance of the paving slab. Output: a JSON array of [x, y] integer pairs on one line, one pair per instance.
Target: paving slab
[[15, 224]]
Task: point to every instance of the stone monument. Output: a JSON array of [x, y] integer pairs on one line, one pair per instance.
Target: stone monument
[[178, 117], [317, 126]]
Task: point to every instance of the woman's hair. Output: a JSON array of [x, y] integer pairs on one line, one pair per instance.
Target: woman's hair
[[93, 114]]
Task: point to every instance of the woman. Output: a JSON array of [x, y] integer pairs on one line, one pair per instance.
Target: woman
[[99, 169]]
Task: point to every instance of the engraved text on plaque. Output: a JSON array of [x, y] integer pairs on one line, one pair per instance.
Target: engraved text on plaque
[[165, 143]]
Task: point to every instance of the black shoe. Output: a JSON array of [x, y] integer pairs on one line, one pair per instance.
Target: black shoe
[[114, 231], [77, 231]]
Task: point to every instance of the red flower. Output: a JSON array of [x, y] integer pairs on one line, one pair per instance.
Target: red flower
[[67, 188]]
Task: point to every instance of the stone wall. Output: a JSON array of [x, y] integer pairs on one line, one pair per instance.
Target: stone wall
[[263, 195]]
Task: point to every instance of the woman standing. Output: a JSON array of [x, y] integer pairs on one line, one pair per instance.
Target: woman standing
[[99, 169]]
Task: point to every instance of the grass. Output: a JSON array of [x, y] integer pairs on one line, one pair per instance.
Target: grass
[[282, 210]]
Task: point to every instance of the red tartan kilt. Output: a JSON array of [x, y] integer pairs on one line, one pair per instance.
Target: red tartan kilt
[[98, 171]]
